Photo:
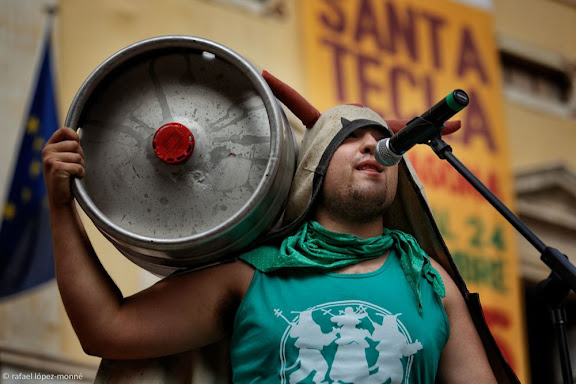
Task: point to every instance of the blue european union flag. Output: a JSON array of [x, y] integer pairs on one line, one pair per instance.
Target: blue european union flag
[[25, 243]]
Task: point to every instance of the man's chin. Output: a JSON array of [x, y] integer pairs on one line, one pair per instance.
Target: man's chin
[[373, 196]]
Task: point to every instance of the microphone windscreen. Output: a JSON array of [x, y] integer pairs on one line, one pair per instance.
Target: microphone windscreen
[[384, 155]]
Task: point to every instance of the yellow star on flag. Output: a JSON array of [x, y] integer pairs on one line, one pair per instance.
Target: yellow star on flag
[[33, 125], [9, 211], [35, 168], [26, 194], [38, 143]]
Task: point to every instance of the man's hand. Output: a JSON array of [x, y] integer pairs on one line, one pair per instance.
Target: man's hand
[[62, 158]]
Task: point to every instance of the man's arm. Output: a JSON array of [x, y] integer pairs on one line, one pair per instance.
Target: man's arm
[[176, 314], [463, 359]]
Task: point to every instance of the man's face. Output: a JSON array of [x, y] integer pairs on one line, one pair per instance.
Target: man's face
[[355, 185]]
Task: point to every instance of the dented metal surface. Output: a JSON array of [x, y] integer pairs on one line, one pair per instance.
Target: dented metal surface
[[232, 188]]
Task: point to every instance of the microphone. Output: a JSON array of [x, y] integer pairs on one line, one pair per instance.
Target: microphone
[[420, 129]]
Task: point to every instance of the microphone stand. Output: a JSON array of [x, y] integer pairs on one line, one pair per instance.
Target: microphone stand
[[563, 276]]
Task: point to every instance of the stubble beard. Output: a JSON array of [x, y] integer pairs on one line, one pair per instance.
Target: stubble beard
[[356, 204]]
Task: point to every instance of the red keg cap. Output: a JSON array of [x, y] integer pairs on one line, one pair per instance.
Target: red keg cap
[[173, 143]]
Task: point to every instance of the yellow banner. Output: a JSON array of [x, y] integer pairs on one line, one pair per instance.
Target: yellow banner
[[400, 58]]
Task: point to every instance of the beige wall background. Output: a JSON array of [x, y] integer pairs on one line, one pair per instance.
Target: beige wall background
[[87, 32], [546, 29]]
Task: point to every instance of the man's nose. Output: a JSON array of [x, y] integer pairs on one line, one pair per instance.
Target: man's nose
[[368, 144]]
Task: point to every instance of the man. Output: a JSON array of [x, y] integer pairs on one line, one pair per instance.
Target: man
[[339, 270]]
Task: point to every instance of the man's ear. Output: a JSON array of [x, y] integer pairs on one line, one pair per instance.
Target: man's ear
[[450, 126]]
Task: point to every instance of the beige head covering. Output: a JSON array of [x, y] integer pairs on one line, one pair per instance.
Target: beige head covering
[[409, 211], [330, 129]]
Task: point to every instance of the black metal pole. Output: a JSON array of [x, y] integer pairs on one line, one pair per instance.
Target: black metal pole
[[559, 323], [487, 194], [557, 261], [563, 276], [553, 290]]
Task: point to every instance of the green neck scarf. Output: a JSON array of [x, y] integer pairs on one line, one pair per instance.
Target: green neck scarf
[[316, 247]]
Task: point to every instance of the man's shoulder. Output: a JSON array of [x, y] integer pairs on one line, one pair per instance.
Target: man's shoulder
[[234, 267], [225, 274], [263, 249], [234, 276]]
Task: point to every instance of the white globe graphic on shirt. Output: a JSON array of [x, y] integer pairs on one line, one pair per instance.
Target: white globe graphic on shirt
[[348, 341]]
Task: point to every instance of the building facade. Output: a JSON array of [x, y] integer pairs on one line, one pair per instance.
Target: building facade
[[536, 42]]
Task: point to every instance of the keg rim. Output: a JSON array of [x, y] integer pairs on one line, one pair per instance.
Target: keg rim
[[273, 110]]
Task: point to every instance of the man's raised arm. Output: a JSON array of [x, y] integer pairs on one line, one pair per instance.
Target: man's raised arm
[[174, 315]]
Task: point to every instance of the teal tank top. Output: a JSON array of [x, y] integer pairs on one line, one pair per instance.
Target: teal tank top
[[304, 326]]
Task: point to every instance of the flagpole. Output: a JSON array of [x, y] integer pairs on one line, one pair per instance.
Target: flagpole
[[50, 10]]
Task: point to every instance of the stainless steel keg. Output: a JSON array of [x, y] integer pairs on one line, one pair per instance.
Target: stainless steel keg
[[189, 157]]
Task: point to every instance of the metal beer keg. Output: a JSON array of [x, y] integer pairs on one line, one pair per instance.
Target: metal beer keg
[[189, 156]]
